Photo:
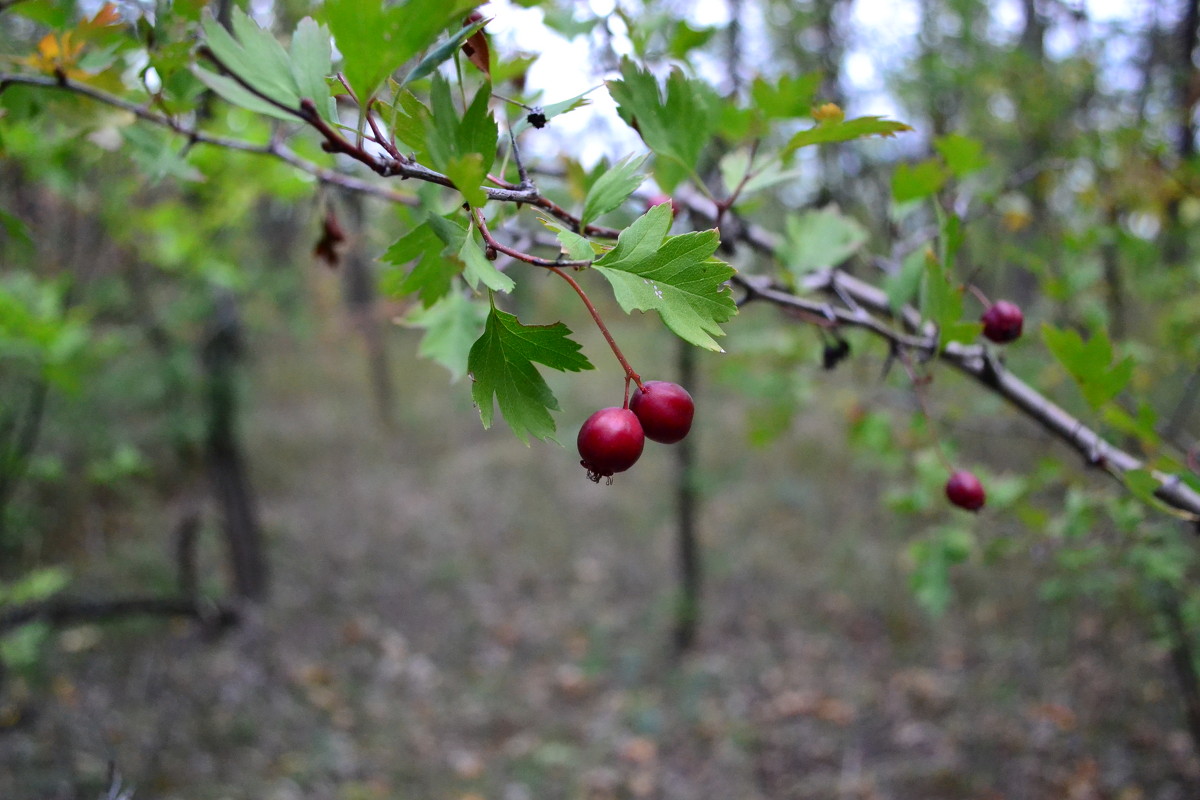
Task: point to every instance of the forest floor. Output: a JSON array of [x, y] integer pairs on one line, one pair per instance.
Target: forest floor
[[455, 616]]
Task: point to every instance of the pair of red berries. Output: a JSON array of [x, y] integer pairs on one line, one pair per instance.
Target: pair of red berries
[[611, 440]]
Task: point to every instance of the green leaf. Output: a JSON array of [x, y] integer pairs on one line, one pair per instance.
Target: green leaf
[[676, 276], [37, 585], [737, 164], [237, 94], [734, 166], [1143, 425], [676, 126], [914, 181], [375, 39], [501, 363], [612, 189], [463, 149], [574, 246], [451, 325], [930, 580], [1143, 485], [902, 286], [411, 120], [942, 303], [479, 269], [156, 152], [430, 277], [792, 96], [819, 239], [442, 53], [963, 154], [933, 557], [255, 56], [15, 229], [843, 131], [312, 63], [467, 172], [1089, 363]]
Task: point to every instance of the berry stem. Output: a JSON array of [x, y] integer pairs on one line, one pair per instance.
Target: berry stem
[[979, 295], [630, 375], [918, 384]]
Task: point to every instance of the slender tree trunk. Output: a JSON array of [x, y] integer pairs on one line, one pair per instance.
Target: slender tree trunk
[[1183, 659], [20, 434], [1188, 82], [226, 465], [687, 609], [358, 291]]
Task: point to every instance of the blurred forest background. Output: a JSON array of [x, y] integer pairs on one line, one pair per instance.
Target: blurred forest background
[[253, 546]]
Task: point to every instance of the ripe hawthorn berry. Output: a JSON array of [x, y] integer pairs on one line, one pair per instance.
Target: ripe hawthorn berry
[[1002, 322], [965, 491], [610, 441], [665, 410]]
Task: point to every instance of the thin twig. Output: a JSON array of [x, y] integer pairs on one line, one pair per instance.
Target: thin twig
[[500, 247]]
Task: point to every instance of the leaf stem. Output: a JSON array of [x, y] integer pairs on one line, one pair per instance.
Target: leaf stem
[[630, 375]]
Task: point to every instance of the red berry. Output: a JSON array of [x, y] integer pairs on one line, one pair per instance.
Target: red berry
[[965, 491], [1003, 322], [610, 440], [665, 410]]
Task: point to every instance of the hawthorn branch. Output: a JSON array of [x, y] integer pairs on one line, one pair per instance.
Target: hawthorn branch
[[871, 309], [500, 247], [389, 166], [274, 149]]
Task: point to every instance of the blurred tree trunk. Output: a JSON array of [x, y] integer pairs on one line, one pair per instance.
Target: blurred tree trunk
[[687, 610], [829, 57], [19, 430], [226, 465], [358, 292], [1187, 80]]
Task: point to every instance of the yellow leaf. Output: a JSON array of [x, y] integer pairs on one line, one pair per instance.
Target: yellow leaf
[[48, 47], [829, 112], [106, 16]]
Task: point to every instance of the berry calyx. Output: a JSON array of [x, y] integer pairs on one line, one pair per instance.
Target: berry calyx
[[1002, 322], [965, 491], [665, 410], [610, 441]]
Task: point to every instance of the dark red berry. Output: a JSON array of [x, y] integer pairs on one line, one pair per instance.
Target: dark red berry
[[665, 410], [610, 441], [965, 491], [1003, 322]]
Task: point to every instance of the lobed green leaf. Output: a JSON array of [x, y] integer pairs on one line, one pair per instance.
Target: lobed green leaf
[[677, 276], [819, 239], [612, 189], [501, 363], [844, 131]]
